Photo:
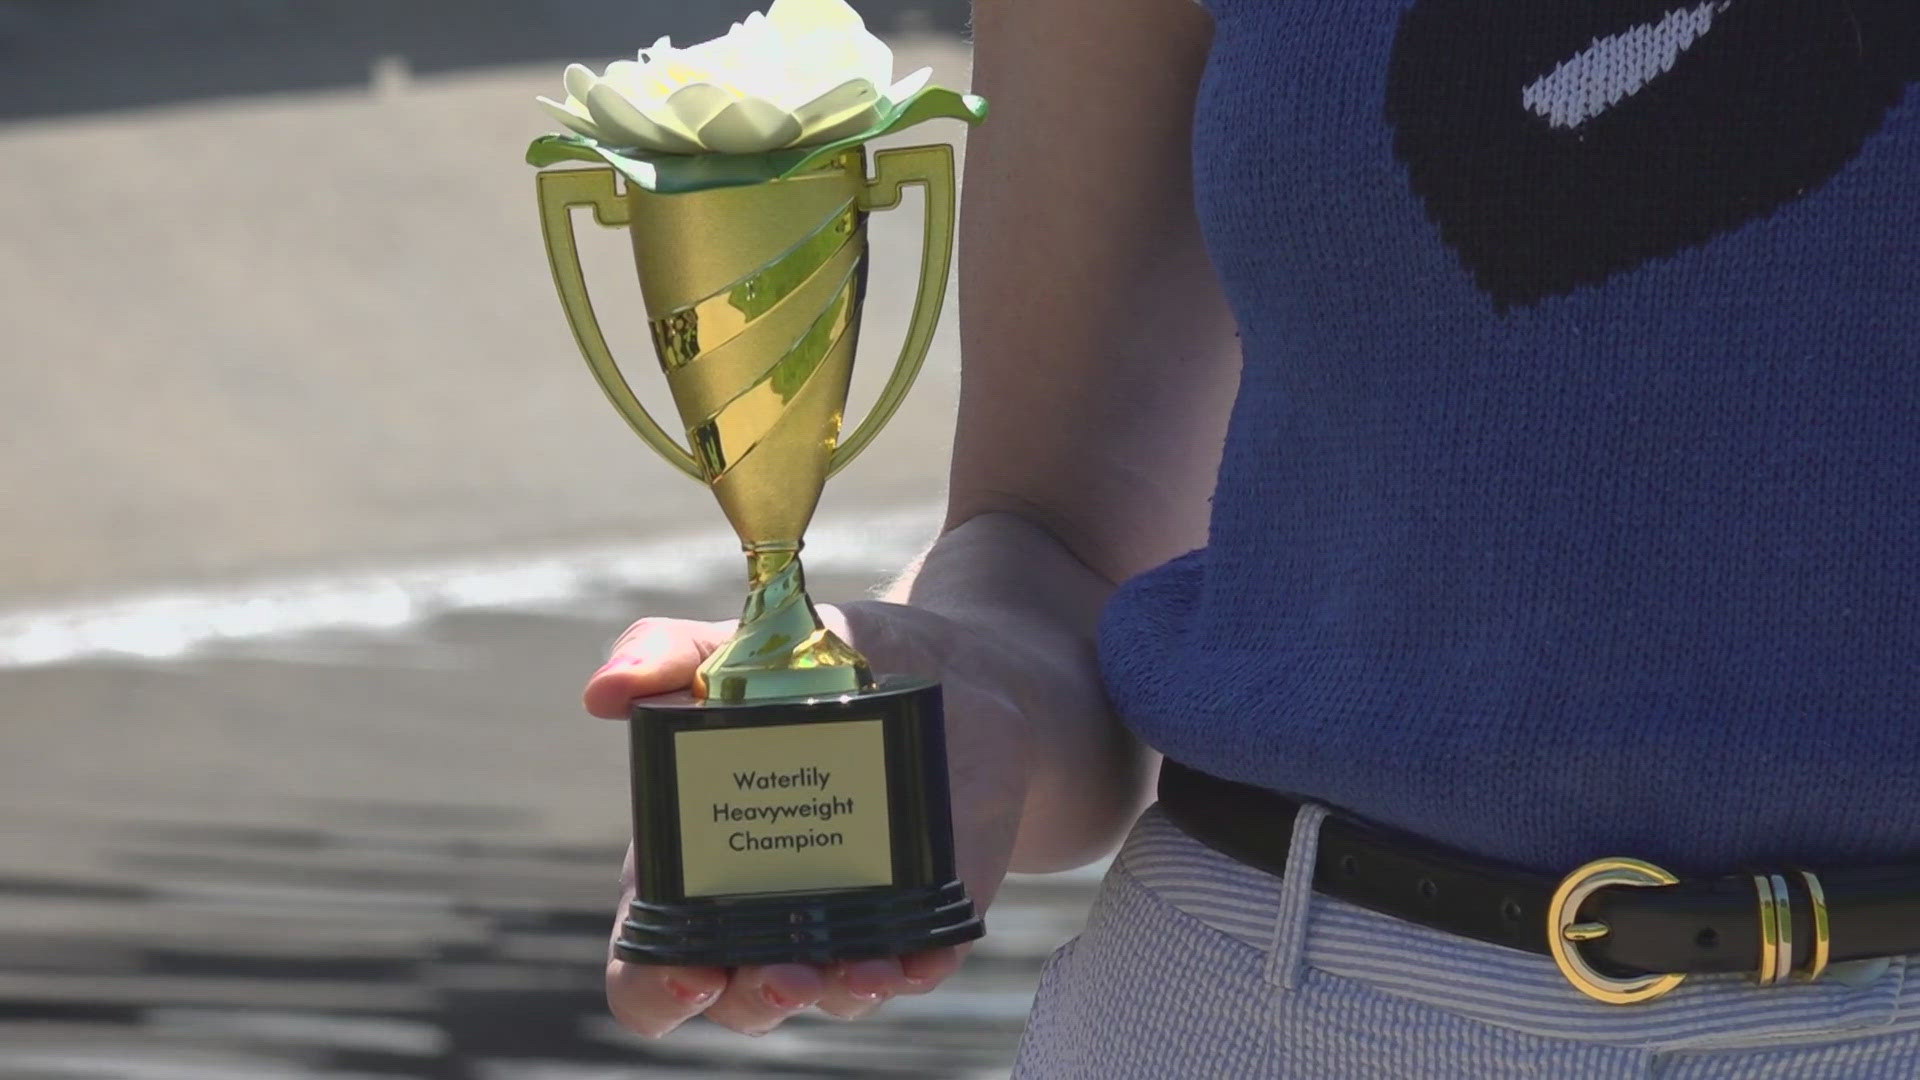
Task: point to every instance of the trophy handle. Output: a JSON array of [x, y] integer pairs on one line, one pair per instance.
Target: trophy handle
[[560, 192], [893, 170]]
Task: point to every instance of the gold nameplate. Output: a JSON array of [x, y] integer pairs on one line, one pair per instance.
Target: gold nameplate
[[782, 808]]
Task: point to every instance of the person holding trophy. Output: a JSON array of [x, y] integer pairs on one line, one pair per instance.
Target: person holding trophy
[[1470, 452]]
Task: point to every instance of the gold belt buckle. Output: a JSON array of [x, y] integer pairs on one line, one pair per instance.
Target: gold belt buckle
[[1564, 934]]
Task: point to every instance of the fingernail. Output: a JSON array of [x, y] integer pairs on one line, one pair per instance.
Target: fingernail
[[691, 995], [791, 986], [873, 980], [779, 1000], [838, 976], [621, 661]]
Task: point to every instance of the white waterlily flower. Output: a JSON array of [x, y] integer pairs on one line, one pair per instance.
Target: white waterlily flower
[[804, 73]]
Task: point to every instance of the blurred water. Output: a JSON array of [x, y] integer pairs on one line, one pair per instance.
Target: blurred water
[[365, 853]]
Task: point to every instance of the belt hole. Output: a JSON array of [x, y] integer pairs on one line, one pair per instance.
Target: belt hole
[[1707, 938], [1510, 910], [1428, 890], [1349, 866]]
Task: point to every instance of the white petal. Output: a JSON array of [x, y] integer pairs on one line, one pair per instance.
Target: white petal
[[807, 15], [849, 51], [749, 126], [847, 109], [632, 77], [649, 84], [580, 123], [690, 107], [579, 79], [709, 59], [908, 86], [828, 129], [814, 64], [875, 59], [623, 124], [851, 94], [844, 56]]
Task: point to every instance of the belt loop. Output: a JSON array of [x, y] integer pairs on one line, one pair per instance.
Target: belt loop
[[1284, 959]]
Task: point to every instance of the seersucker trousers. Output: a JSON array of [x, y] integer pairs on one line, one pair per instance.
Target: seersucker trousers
[[1193, 965]]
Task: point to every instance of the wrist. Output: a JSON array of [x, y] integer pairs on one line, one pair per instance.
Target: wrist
[[1028, 610], [1001, 566]]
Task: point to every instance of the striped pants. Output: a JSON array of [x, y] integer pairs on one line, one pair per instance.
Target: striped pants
[[1193, 965]]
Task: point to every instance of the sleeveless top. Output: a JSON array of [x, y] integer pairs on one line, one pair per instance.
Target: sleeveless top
[[1571, 501]]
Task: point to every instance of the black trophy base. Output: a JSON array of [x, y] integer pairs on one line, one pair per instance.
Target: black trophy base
[[800, 831], [799, 928]]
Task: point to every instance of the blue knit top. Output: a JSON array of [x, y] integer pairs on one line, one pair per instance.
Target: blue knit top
[[1571, 502]]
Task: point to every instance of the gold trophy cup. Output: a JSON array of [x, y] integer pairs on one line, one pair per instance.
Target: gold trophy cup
[[791, 806]]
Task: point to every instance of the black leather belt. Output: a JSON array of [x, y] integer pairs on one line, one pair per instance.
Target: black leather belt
[[1620, 930]]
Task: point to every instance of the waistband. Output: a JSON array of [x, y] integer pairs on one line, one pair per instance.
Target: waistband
[[1620, 929], [1301, 930]]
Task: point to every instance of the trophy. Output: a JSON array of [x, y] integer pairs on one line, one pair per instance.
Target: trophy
[[792, 806]]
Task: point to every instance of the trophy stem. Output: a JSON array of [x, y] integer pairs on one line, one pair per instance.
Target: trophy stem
[[782, 650]]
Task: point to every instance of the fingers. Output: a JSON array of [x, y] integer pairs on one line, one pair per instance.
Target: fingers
[[648, 999], [757, 999], [655, 1000], [654, 656], [924, 971], [857, 987]]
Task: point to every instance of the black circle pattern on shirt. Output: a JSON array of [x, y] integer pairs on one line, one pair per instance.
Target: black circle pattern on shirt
[[1675, 122]]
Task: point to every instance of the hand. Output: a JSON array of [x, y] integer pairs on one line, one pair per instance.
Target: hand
[[982, 678]]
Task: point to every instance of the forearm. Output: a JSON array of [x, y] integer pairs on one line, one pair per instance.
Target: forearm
[[1006, 577], [1098, 363]]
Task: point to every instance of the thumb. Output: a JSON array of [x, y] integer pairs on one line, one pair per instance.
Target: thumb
[[654, 656]]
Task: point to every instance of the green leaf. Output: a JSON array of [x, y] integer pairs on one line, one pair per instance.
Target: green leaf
[[669, 174], [931, 103]]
